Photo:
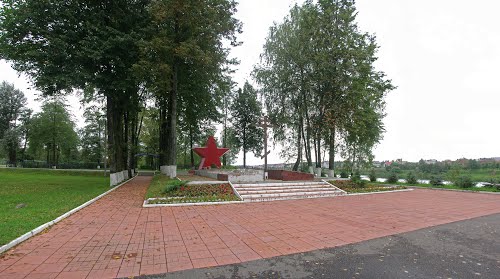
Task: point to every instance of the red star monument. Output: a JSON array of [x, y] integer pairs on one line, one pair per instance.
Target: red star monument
[[210, 154]]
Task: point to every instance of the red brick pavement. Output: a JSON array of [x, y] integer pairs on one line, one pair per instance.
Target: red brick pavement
[[116, 237]]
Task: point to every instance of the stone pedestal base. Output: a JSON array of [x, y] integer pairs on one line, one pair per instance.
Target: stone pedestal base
[[170, 171], [331, 173], [318, 172], [311, 169], [118, 177]]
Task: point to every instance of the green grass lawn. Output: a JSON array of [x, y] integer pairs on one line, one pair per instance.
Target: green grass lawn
[[47, 194], [157, 186]]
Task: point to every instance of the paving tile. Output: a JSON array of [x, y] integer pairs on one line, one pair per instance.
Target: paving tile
[[117, 237], [204, 262]]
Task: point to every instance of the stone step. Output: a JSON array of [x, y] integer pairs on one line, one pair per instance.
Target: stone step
[[295, 197], [288, 194], [284, 187], [279, 184], [287, 190]]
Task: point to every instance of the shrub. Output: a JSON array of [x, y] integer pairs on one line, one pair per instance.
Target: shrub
[[344, 174], [174, 185], [393, 178], [464, 182], [411, 178], [356, 179], [436, 181], [373, 177]]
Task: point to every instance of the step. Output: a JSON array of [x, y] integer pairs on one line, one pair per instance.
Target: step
[[283, 187], [296, 197], [278, 184], [270, 191], [288, 194]]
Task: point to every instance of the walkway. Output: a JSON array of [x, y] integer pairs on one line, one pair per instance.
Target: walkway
[[116, 237]]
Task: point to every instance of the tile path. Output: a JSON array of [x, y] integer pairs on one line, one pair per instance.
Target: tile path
[[116, 237]]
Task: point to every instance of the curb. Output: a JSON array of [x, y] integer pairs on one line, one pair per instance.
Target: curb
[[39, 229], [379, 192], [455, 190], [146, 205]]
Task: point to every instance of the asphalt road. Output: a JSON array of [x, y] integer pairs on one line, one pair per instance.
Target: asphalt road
[[466, 249]]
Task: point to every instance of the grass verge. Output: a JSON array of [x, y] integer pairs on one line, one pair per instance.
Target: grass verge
[[453, 187], [450, 186], [30, 198]]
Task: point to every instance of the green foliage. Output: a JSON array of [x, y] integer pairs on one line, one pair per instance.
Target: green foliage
[[246, 114], [53, 135], [344, 174], [393, 178], [464, 181], [411, 178], [319, 81], [436, 181], [351, 187], [46, 194], [174, 185], [372, 176], [92, 135], [12, 112]]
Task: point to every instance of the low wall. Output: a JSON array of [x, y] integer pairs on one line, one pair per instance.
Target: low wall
[[118, 177], [244, 177], [289, 175]]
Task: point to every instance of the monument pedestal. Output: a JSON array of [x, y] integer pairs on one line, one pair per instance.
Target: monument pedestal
[[170, 171]]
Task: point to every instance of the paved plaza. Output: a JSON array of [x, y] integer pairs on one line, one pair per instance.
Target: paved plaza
[[117, 237]]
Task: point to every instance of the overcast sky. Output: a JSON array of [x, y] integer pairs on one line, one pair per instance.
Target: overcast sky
[[443, 56]]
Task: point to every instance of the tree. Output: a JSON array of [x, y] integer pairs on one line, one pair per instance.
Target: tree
[[319, 82], [92, 135], [66, 45], [12, 108], [185, 51], [246, 113], [53, 133]]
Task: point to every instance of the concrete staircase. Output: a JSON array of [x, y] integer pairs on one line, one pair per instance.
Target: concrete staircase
[[256, 192]]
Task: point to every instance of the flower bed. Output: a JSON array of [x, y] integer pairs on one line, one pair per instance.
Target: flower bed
[[351, 187], [199, 192]]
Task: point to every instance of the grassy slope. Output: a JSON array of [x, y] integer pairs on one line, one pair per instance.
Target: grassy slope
[[47, 195]]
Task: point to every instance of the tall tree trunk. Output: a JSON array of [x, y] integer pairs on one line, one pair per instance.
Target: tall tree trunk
[[171, 152], [244, 148], [331, 154], [114, 115], [191, 142], [318, 155], [299, 145], [163, 131], [125, 140]]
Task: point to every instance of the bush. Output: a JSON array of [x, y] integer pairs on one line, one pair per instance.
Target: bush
[[174, 185], [393, 178], [411, 178], [373, 177], [344, 174], [436, 181], [356, 179], [464, 182]]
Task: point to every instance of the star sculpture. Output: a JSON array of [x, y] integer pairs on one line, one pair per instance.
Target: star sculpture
[[210, 154]]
